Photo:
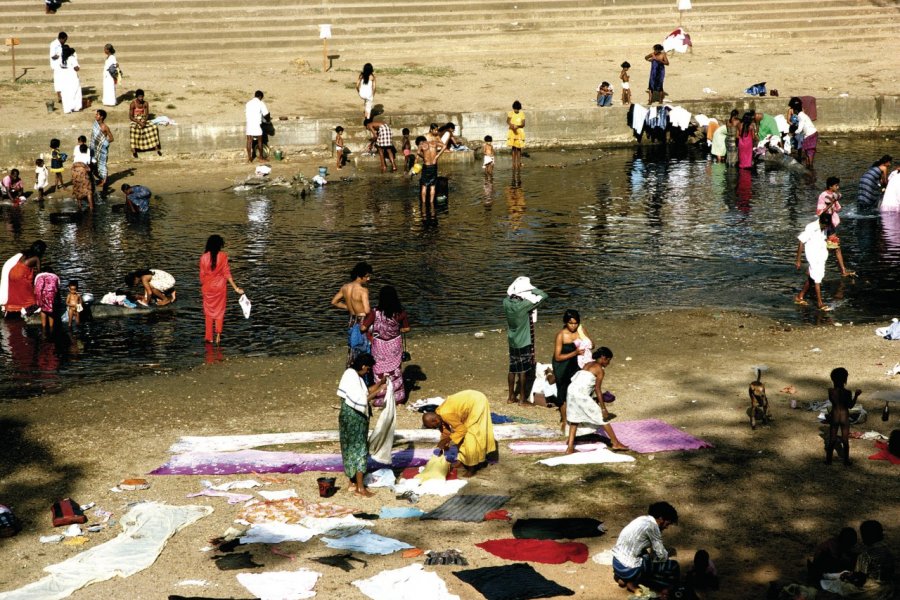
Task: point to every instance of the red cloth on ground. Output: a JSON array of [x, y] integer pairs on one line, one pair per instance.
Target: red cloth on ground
[[883, 454], [543, 551], [497, 515], [214, 286], [21, 288]]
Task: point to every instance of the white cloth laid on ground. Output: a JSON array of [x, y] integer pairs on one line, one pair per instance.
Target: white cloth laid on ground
[[231, 443], [381, 439], [552, 447], [594, 457], [278, 494], [231, 496], [146, 529], [412, 582], [281, 585], [366, 542], [380, 478], [243, 484], [680, 117], [891, 332], [603, 558], [638, 116], [433, 487], [684, 4], [274, 532]]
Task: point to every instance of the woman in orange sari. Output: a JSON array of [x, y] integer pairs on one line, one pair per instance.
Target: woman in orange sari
[[17, 280], [214, 273]]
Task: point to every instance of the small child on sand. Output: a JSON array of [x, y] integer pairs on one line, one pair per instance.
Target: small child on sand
[[73, 303], [408, 156], [626, 86], [41, 178], [839, 417], [57, 160], [339, 147], [604, 94], [488, 149]]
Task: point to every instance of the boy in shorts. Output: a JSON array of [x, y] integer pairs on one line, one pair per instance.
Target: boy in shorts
[[429, 152], [488, 148]]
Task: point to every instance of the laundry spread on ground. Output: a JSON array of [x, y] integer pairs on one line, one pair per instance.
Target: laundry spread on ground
[[542, 551], [883, 454], [290, 510], [146, 529], [435, 487], [409, 583], [570, 528], [594, 457], [400, 512], [366, 542], [653, 435], [232, 443], [230, 496], [526, 447], [281, 585], [512, 582], [470, 508], [260, 461]]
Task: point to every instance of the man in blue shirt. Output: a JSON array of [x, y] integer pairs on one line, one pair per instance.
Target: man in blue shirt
[[137, 198]]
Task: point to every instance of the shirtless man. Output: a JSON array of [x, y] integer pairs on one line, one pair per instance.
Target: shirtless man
[[354, 298], [429, 152]]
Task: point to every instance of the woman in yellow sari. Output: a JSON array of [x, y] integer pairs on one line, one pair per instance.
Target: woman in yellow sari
[[515, 137], [464, 420]]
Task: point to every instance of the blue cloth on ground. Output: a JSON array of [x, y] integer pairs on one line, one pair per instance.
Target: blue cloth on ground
[[366, 542], [500, 419], [401, 512]]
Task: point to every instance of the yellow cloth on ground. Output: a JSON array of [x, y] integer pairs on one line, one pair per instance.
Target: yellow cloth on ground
[[436, 468], [469, 416]]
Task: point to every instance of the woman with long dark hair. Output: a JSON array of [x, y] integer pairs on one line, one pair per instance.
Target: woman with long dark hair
[[365, 86], [387, 323], [214, 274], [746, 141]]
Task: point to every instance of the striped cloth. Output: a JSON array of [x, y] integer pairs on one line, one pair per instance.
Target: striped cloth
[[470, 508], [385, 138], [144, 138]]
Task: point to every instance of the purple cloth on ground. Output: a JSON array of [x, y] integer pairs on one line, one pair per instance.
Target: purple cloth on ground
[[653, 435], [260, 461]]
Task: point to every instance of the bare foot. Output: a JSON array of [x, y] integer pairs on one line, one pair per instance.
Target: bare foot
[[800, 301], [618, 447], [825, 308], [467, 472], [848, 274], [173, 296], [570, 450], [364, 493]]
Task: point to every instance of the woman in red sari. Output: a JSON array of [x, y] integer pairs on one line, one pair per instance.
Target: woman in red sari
[[214, 273], [17, 281], [386, 325]]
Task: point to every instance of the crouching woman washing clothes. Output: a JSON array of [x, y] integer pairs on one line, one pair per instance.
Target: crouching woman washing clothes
[[464, 420], [353, 421], [156, 283]]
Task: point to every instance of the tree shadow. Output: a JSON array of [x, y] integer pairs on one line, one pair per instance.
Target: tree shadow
[[31, 477]]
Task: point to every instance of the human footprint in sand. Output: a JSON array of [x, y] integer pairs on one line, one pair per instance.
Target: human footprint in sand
[[353, 421], [582, 409]]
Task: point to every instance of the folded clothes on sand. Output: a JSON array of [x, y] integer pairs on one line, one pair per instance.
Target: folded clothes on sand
[[594, 457], [400, 512], [542, 551], [281, 585], [883, 454], [366, 542], [512, 582]]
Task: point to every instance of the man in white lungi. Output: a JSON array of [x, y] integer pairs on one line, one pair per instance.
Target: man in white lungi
[[257, 112], [55, 59]]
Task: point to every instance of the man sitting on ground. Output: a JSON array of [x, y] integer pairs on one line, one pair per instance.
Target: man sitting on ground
[[639, 555]]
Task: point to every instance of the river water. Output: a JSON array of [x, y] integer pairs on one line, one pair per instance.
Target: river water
[[605, 231]]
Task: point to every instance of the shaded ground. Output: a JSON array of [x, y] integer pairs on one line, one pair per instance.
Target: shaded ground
[[759, 501]]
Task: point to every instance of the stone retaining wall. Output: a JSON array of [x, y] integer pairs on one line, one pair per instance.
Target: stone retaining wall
[[544, 128]]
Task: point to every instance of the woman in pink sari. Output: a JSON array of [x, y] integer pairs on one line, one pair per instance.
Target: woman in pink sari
[[214, 274], [386, 325]]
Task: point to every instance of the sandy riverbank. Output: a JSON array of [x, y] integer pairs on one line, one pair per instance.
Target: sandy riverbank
[[758, 501]]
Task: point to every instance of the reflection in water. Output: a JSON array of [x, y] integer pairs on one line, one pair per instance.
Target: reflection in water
[[619, 231], [744, 190]]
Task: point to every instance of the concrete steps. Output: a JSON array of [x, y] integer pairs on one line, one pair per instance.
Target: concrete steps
[[182, 31]]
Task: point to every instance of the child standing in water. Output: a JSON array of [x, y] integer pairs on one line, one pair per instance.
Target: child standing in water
[[515, 137], [57, 160], [41, 178], [73, 303], [626, 86], [339, 146], [841, 403], [407, 151], [488, 148]]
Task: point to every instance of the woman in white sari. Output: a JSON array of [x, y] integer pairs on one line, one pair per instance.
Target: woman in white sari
[[110, 76], [69, 81]]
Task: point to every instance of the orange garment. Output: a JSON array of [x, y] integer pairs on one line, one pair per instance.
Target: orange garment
[[711, 129], [21, 288], [214, 287]]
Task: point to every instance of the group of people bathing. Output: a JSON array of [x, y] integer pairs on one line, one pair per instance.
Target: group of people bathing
[[28, 286], [744, 138]]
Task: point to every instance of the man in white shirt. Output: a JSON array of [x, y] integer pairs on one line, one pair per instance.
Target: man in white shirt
[[639, 555], [257, 112], [813, 244], [55, 60]]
